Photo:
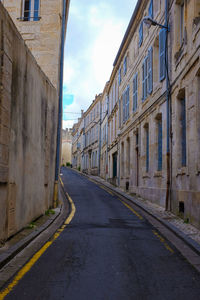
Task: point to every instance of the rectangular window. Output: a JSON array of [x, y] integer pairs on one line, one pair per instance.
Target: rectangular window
[[127, 102], [181, 23], [125, 65], [124, 105], [160, 145], [135, 91], [144, 78], [183, 132], [31, 10], [151, 9], [119, 76], [147, 149], [150, 70], [162, 47], [141, 34]]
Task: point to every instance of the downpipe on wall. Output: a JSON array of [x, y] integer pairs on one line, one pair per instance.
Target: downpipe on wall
[[168, 96], [58, 148]]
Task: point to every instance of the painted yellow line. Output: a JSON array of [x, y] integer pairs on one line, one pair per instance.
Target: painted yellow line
[[135, 212], [38, 254], [105, 189], [163, 241]]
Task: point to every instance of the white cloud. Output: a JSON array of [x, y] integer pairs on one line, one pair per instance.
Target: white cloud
[[95, 31]]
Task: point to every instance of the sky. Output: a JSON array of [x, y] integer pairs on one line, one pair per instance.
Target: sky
[[95, 31]]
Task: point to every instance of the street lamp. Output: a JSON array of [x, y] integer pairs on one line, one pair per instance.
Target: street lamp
[[150, 22]]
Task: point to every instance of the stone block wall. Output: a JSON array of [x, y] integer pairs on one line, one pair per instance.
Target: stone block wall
[[28, 127]]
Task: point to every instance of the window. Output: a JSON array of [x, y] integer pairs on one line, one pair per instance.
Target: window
[[125, 65], [141, 34], [183, 132], [119, 76], [147, 147], [144, 79], [126, 104], [159, 122], [128, 156], [151, 9], [30, 10], [147, 74], [162, 46], [181, 23], [122, 159], [150, 71], [135, 91]]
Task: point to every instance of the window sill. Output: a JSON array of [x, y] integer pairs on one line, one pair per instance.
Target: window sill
[[182, 171], [145, 175], [158, 174]]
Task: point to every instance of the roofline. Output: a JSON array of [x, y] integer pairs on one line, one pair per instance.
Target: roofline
[[127, 31]]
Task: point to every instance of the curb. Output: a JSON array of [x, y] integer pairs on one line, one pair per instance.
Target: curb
[[19, 246], [189, 241]]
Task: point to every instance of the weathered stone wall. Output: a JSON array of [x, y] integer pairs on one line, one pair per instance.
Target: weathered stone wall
[[66, 146], [28, 125], [42, 36]]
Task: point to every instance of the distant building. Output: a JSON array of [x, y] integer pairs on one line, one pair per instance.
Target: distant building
[[66, 156]]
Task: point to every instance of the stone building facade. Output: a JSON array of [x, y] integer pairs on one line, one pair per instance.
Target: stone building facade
[[153, 116], [39, 22], [66, 156], [28, 130]]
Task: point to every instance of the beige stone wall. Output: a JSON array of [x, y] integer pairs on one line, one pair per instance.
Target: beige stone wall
[[42, 36], [185, 78], [28, 126], [66, 146]]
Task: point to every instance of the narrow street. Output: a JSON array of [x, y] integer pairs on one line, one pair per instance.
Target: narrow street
[[107, 252]]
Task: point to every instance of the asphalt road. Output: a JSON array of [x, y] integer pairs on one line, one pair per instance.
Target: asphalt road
[[107, 253]]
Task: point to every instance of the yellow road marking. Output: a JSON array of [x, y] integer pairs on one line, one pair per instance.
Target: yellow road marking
[[135, 212], [163, 241], [38, 254], [105, 189]]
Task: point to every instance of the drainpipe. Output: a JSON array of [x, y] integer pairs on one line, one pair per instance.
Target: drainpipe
[[168, 192], [57, 170]]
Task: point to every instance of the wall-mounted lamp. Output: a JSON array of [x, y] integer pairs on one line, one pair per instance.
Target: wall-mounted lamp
[[150, 22]]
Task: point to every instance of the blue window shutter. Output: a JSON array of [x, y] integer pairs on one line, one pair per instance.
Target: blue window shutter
[[127, 103], [135, 92], [183, 131], [145, 77], [143, 81], [119, 113], [151, 9], [119, 76], [147, 149], [159, 145], [162, 40], [134, 101], [36, 10], [141, 34], [29, 12], [123, 107], [150, 70], [125, 66]]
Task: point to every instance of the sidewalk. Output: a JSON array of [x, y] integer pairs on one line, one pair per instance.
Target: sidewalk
[[187, 232], [45, 225]]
